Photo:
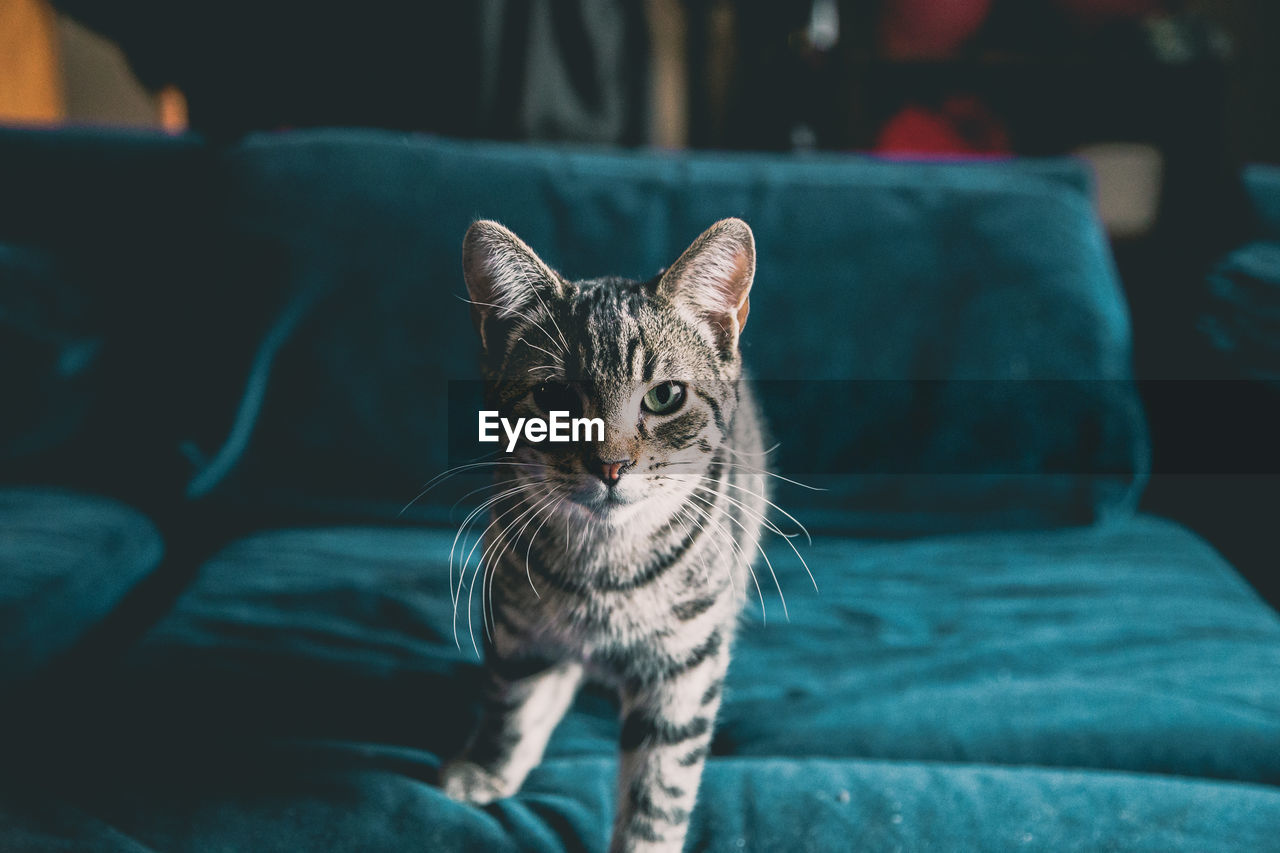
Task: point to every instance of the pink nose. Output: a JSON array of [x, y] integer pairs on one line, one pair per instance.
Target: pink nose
[[611, 472]]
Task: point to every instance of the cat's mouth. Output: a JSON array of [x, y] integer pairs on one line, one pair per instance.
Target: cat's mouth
[[601, 500]]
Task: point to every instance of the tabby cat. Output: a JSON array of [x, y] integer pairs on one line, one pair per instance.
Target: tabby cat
[[625, 560]]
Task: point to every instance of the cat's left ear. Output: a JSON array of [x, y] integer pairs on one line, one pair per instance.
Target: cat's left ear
[[711, 281], [505, 278]]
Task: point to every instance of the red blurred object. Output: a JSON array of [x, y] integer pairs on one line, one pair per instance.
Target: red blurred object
[[963, 125], [1093, 11], [930, 29]]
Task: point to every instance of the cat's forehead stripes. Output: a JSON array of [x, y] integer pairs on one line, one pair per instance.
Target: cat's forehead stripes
[[610, 334], [623, 334], [605, 315]]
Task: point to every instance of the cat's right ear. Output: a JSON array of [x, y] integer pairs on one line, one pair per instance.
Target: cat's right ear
[[505, 278], [711, 281]]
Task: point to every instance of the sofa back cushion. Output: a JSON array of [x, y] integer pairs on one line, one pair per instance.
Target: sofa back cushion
[[938, 345], [1262, 187], [101, 265]]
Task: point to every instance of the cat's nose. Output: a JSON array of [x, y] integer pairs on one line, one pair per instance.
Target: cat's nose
[[611, 472]]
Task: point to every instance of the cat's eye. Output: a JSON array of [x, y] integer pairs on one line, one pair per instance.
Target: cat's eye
[[557, 397], [664, 399]]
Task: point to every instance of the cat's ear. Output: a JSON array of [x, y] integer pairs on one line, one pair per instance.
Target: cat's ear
[[711, 281], [505, 278]]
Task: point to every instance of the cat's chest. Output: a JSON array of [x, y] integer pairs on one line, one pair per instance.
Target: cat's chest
[[592, 622], [602, 617], [619, 637], [619, 596]]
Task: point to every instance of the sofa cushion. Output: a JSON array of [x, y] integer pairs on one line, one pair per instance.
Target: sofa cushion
[[43, 328], [305, 287], [303, 690], [1262, 186], [899, 316], [66, 561], [1242, 320], [363, 800], [1127, 647], [1132, 646], [103, 309]]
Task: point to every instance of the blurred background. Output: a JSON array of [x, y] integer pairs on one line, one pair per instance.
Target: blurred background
[[1167, 99], [1144, 81]]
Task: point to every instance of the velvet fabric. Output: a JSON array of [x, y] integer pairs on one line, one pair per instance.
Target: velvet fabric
[[66, 562], [1001, 691], [810, 805], [103, 240], [1262, 187], [1118, 647], [959, 357], [1241, 317], [1242, 321]]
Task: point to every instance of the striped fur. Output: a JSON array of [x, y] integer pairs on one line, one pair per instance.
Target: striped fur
[[638, 584]]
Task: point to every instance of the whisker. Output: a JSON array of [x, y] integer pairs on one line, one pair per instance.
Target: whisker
[[739, 466], [456, 595], [742, 557], [543, 501], [719, 550], [556, 357], [481, 572], [490, 557], [732, 485], [462, 527], [458, 469], [759, 548], [509, 311], [465, 524], [485, 563], [745, 453], [551, 317], [495, 484], [751, 512], [769, 525], [491, 563], [529, 550], [471, 588], [702, 558]]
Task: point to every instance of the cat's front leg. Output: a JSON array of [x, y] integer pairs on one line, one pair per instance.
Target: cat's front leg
[[666, 732], [523, 702]]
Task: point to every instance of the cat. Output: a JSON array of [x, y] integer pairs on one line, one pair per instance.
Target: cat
[[627, 559]]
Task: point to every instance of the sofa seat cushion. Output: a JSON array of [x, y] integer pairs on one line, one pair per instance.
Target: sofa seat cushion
[[360, 800], [1131, 646], [1128, 647], [66, 561]]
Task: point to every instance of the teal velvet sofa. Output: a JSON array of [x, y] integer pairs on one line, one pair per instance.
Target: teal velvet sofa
[[227, 371]]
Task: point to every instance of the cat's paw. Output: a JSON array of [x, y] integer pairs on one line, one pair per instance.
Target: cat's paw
[[467, 782]]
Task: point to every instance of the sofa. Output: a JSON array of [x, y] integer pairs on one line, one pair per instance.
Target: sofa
[[225, 620]]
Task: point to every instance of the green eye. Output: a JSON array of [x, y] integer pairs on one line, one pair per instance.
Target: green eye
[[664, 399]]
